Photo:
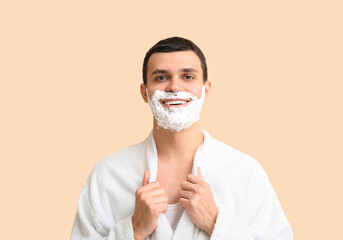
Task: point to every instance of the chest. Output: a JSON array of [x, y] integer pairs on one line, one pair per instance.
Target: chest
[[170, 176]]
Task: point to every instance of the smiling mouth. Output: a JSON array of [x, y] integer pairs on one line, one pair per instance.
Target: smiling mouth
[[175, 102]]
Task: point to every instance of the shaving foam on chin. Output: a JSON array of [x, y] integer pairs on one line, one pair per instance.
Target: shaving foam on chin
[[176, 119]]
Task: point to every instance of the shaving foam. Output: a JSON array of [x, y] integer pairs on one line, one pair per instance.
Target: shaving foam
[[176, 119]]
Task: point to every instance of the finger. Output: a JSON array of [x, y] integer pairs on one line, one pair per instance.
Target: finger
[[160, 199], [155, 192], [186, 194], [199, 173], [193, 179], [162, 207], [184, 202], [151, 186], [185, 185], [146, 178]]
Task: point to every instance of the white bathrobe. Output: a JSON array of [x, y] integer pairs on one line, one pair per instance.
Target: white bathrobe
[[248, 208]]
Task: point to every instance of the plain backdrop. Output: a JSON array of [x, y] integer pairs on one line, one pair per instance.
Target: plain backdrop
[[70, 73]]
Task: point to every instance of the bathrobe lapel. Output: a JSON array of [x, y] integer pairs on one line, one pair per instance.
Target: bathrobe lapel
[[185, 229]]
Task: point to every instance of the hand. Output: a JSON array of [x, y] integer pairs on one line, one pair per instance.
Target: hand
[[151, 200], [197, 199]]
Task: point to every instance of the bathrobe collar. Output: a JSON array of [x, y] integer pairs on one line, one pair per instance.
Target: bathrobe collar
[[185, 229]]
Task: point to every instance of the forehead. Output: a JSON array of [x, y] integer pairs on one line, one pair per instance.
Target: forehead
[[173, 61]]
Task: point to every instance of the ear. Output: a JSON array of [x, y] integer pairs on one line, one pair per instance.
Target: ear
[[207, 88], [143, 92]]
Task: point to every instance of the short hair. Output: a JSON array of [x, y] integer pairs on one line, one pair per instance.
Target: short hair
[[175, 44]]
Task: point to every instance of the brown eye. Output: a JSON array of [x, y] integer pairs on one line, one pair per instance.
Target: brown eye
[[189, 77], [160, 78]]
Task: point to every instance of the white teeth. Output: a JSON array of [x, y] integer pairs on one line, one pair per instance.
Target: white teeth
[[175, 102]]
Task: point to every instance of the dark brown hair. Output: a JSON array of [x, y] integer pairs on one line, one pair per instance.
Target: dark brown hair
[[175, 44]]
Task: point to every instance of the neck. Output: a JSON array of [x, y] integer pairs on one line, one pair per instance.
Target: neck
[[177, 146]]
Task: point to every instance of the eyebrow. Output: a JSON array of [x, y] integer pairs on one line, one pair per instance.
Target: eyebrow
[[159, 71], [188, 70], [181, 70]]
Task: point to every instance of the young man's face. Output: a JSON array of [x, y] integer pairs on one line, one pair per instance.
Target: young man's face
[[173, 72]]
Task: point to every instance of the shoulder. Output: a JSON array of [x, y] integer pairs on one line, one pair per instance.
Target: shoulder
[[117, 168], [230, 169], [124, 157], [227, 155], [222, 158]]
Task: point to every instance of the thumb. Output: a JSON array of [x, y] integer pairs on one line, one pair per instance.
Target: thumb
[[199, 173], [146, 178]]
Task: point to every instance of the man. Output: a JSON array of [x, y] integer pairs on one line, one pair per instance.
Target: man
[[180, 183]]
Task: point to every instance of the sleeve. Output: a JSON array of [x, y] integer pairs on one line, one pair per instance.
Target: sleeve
[[87, 224], [266, 219]]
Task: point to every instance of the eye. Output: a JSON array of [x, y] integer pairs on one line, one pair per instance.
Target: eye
[[160, 78], [189, 77]]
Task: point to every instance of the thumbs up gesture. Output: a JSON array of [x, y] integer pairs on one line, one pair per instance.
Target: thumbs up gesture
[[151, 200]]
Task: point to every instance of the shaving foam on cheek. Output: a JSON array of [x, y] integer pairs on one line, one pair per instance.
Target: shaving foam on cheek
[[176, 119]]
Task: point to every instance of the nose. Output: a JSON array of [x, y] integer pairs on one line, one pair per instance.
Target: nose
[[174, 85]]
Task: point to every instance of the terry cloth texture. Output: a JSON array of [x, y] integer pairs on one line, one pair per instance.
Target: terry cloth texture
[[248, 208]]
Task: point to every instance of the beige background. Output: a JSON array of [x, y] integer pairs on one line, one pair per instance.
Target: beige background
[[70, 74]]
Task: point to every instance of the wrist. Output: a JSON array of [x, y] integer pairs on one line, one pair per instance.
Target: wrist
[[210, 227], [137, 237], [136, 234]]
